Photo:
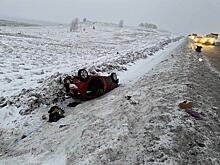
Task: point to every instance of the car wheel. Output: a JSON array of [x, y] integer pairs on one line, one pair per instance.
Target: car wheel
[[114, 78], [83, 74]]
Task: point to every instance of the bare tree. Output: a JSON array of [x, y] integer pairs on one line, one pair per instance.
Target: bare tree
[[74, 25], [141, 24], [121, 23], [150, 26], [71, 26], [84, 19]]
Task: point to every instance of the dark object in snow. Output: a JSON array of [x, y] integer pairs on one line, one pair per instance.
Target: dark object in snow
[[44, 117], [2, 99], [215, 108], [73, 104], [194, 114], [200, 144], [61, 126], [23, 136], [131, 100], [128, 97], [199, 48], [117, 53], [25, 112], [55, 114], [85, 86], [3, 104], [185, 105], [93, 27]]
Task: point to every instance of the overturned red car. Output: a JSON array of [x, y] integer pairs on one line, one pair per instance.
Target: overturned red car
[[85, 86]]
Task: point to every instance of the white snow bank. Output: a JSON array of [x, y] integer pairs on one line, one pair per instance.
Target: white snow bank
[[141, 67]]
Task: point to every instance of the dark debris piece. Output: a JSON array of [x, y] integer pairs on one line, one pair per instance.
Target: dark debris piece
[[200, 144], [23, 136], [61, 126], [73, 104], [194, 114], [128, 97]]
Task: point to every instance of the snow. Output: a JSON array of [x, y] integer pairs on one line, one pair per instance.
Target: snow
[[30, 54], [31, 58], [111, 129], [141, 67]]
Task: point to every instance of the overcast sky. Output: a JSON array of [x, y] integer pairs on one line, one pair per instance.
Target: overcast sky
[[180, 16]]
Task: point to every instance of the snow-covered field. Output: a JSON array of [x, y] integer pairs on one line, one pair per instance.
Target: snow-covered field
[[33, 60], [29, 54], [147, 128]]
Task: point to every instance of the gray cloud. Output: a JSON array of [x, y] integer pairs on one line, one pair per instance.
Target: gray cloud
[[181, 16]]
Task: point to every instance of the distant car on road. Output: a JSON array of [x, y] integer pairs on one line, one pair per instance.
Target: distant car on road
[[198, 39], [192, 36], [209, 39], [85, 86]]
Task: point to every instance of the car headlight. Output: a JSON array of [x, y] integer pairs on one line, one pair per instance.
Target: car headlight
[[196, 39], [205, 40], [212, 41]]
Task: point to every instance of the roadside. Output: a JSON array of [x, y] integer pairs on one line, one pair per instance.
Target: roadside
[[201, 144], [212, 53]]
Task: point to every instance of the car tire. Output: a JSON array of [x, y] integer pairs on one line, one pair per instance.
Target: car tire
[[114, 78], [83, 74]]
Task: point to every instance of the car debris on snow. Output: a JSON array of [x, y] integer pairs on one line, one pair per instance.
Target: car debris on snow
[[187, 106], [131, 100], [55, 113]]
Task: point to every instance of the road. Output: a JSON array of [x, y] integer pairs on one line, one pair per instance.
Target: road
[[213, 55]]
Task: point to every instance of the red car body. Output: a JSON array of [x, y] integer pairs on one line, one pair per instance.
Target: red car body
[[91, 87]]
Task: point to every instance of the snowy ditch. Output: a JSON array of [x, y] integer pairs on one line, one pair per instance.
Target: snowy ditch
[[141, 67]]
